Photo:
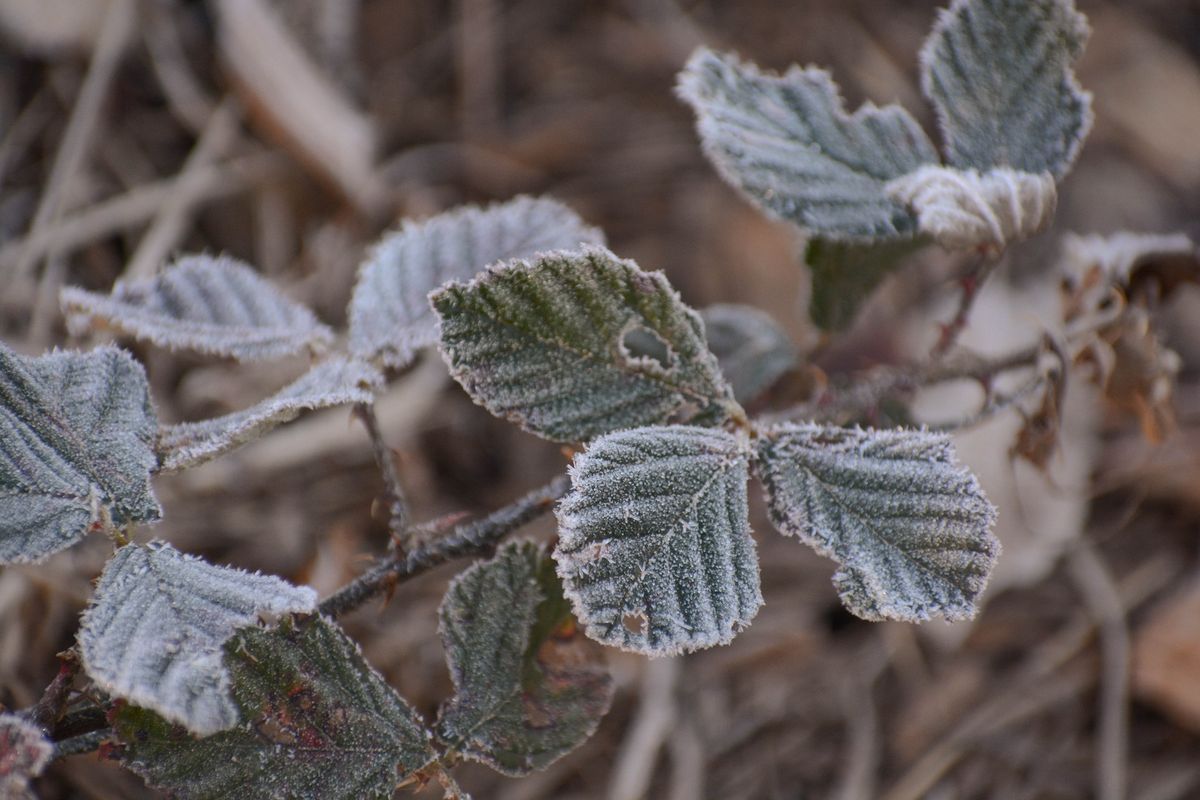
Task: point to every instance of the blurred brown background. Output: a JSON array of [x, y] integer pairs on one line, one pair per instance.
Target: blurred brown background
[[292, 133]]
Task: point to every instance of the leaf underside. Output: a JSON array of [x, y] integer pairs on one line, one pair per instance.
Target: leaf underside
[[336, 381], [751, 348], [654, 543], [24, 753], [909, 526], [390, 317], [319, 722], [787, 142], [544, 344], [845, 274], [213, 305], [156, 625], [999, 73], [76, 448], [529, 687]]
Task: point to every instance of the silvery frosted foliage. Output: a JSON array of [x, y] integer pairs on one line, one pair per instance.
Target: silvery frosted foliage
[[752, 349], [965, 209], [546, 344], [787, 142], [390, 318], [24, 753], [999, 73], [910, 527], [76, 449], [336, 381], [154, 630], [529, 687], [214, 305], [654, 545], [317, 722]]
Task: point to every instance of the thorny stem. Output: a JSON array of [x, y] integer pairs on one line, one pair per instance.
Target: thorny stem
[[971, 283], [467, 539], [46, 711], [85, 743], [397, 512]]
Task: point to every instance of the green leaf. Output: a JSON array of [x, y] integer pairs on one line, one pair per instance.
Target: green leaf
[[318, 723], [336, 381], [390, 318], [529, 687], [999, 73], [547, 345], [654, 543], [909, 526], [787, 142], [751, 348], [24, 753], [845, 274], [155, 628], [219, 306], [76, 449]]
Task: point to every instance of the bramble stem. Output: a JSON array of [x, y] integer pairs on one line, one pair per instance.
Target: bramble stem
[[971, 283], [397, 508], [85, 743], [471, 538], [46, 711]]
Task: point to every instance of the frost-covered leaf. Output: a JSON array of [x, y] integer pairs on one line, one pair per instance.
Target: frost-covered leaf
[[910, 527], [333, 382], [751, 348], [24, 753], [317, 722], [844, 274], [547, 344], [1132, 261], [76, 449], [999, 73], [654, 542], [963, 209], [390, 318], [155, 628], [787, 142], [211, 305], [529, 687]]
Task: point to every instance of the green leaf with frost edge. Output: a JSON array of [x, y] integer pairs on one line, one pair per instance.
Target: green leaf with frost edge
[[317, 722], [156, 625], [213, 305], [24, 753], [654, 547], [76, 449], [910, 527], [390, 317], [787, 142], [528, 687], [543, 343], [336, 381], [845, 274], [753, 351], [999, 73]]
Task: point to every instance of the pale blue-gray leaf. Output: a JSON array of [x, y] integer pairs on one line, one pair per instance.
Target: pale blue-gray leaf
[[154, 632], [910, 527], [76, 449], [336, 381], [751, 348], [654, 542], [390, 317], [214, 305], [550, 345], [999, 73], [787, 142]]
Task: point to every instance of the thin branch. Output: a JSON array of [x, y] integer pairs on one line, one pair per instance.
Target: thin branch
[[79, 745], [971, 283], [397, 508], [469, 539], [47, 710]]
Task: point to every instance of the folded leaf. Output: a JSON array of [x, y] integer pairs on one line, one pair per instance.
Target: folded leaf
[[211, 305], [24, 753], [787, 142], [999, 74], [76, 449], [751, 348], [333, 382], [390, 318], [529, 687], [910, 527], [318, 723], [155, 628], [573, 345], [654, 542]]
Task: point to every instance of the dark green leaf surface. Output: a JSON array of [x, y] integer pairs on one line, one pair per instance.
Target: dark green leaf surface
[[844, 275]]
